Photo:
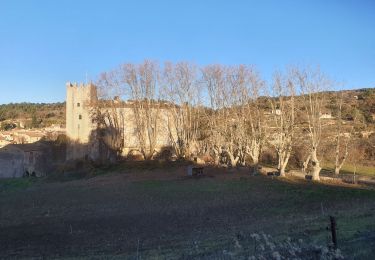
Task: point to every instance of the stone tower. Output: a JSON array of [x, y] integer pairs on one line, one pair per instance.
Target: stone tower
[[80, 127]]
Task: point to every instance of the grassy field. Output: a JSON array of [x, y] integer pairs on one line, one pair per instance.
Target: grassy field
[[159, 213], [349, 169]]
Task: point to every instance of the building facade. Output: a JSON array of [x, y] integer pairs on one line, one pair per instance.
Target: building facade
[[82, 128]]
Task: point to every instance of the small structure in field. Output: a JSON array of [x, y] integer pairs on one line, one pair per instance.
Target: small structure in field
[[326, 116], [22, 160], [195, 171]]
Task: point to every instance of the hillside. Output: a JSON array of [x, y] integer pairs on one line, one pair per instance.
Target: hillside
[[31, 115], [360, 101]]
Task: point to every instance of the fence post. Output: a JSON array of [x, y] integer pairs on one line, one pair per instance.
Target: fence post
[[333, 231]]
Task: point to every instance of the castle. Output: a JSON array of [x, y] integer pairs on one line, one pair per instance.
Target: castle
[[82, 106]]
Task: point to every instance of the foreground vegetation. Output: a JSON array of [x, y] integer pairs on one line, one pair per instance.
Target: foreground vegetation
[[155, 211]]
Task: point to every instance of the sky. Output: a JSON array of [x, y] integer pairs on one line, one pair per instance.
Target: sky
[[44, 44]]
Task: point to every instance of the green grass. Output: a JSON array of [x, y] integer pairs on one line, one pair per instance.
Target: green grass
[[16, 184], [86, 170], [349, 169], [223, 205], [146, 165]]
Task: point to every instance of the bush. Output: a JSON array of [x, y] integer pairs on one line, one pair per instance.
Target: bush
[[8, 126]]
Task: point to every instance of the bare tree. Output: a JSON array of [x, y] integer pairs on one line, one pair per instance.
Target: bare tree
[[108, 116], [255, 117], [283, 113], [342, 139], [235, 118], [180, 87], [357, 154], [312, 82], [142, 85], [214, 78]]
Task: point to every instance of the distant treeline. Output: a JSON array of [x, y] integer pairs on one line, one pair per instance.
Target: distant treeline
[[25, 110]]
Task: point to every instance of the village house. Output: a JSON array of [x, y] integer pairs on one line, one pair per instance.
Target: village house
[[277, 112], [19, 160], [326, 115], [27, 137]]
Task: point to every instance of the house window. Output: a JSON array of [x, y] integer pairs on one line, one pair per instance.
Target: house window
[[80, 117], [78, 104]]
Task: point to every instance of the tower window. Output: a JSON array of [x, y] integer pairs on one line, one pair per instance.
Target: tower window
[[80, 117], [78, 104]]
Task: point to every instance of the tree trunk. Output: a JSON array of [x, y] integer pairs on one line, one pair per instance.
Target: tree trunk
[[233, 161], [283, 162], [306, 163], [279, 162], [315, 166], [254, 152], [282, 170], [216, 155], [338, 165]]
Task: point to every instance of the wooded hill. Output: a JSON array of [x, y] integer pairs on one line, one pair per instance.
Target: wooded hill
[[358, 102], [31, 115]]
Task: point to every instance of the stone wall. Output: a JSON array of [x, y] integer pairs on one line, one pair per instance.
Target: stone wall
[[80, 100], [18, 160], [81, 128], [11, 164]]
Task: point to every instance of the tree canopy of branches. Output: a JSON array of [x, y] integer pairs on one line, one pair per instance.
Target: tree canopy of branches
[[138, 83], [283, 113], [225, 112], [312, 83], [180, 86]]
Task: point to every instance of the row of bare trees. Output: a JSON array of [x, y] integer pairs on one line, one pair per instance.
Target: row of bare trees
[[228, 112]]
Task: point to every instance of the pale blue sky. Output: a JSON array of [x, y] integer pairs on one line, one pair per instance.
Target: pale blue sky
[[44, 44]]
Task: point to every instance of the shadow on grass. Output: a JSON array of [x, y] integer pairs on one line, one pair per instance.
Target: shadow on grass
[[16, 184], [85, 169], [321, 190]]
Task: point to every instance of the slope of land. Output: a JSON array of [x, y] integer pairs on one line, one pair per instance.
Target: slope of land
[[31, 115], [360, 101], [160, 213]]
